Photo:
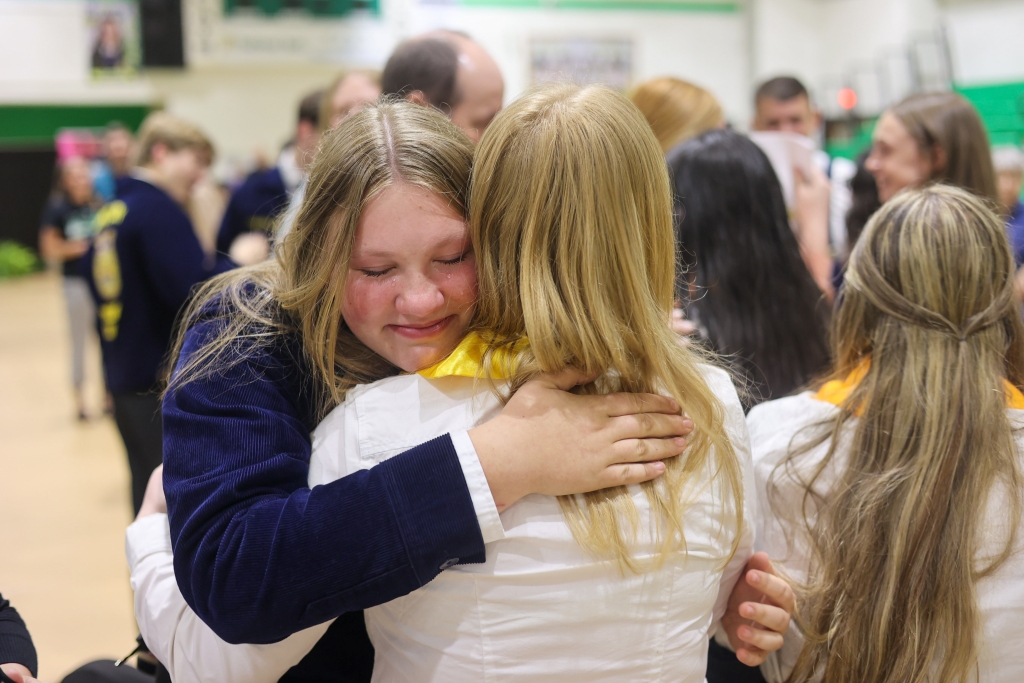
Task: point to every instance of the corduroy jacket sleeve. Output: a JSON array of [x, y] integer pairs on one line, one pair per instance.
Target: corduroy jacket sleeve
[[257, 554]]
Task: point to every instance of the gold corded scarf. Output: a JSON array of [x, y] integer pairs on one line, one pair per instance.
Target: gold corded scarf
[[838, 390], [468, 357]]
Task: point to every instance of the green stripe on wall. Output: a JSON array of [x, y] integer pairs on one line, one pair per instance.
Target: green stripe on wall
[[37, 124], [1002, 110], [641, 5]]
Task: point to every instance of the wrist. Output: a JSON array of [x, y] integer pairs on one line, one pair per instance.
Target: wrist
[[506, 484]]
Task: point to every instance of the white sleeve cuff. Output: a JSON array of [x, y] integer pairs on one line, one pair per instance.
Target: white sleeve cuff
[[147, 536], [483, 502]]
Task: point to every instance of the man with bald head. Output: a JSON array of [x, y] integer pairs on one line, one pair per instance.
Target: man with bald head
[[449, 71]]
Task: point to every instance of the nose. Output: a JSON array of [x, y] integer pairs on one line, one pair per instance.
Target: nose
[[419, 299], [872, 163]]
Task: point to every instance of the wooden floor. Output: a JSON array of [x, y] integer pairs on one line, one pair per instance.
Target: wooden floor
[[64, 500]]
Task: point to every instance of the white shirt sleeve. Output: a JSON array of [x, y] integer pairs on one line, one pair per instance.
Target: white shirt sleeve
[[178, 638], [479, 490], [736, 428]]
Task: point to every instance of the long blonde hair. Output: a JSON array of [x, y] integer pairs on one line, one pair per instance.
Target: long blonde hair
[[571, 219], [676, 110], [301, 290], [897, 541]]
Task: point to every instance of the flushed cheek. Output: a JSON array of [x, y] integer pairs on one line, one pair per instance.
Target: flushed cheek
[[459, 287], [367, 303]]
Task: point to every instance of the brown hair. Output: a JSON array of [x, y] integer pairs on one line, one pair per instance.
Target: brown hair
[[571, 219], [676, 110], [899, 541], [301, 290], [951, 123], [161, 128]]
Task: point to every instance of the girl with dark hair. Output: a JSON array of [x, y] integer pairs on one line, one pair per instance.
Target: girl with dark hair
[[743, 280]]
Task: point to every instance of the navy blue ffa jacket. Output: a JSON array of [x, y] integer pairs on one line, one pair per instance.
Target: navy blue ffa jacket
[[253, 207], [144, 262], [257, 554]]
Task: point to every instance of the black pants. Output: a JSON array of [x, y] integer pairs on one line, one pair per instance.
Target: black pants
[[138, 419], [723, 667]]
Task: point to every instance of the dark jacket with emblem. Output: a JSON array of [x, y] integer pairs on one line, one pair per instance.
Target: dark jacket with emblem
[[144, 262]]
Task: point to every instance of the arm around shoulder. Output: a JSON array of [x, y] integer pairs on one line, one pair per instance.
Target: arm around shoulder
[[246, 525]]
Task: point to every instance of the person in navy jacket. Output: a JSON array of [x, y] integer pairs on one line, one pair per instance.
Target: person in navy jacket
[[265, 354], [144, 262], [264, 195]]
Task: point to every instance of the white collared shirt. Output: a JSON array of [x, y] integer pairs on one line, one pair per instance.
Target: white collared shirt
[[773, 426], [540, 608]]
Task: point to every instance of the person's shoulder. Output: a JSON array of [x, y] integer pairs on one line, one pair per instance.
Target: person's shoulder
[[789, 413], [722, 386], [262, 183]]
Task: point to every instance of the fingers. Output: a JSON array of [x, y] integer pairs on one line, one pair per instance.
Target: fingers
[[771, 617], [775, 589], [649, 425], [758, 641], [622, 403], [751, 656], [628, 451], [625, 475]]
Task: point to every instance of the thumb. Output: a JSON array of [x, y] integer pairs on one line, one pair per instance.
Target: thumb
[[565, 379]]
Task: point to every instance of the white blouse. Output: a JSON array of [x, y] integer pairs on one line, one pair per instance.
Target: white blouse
[[773, 425], [541, 608]]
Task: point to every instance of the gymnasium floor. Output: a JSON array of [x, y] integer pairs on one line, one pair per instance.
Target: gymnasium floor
[[64, 501]]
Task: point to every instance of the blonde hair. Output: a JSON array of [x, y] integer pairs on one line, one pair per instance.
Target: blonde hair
[[897, 541], [161, 128], [571, 220], [676, 110], [301, 290]]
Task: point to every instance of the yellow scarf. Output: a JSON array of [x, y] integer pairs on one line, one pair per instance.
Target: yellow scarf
[[468, 357], [838, 390]]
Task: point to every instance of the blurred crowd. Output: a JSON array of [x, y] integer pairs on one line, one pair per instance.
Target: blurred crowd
[[765, 226]]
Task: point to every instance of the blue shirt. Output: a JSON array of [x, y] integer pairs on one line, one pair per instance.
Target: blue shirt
[[1015, 231], [253, 207], [257, 554], [143, 264]]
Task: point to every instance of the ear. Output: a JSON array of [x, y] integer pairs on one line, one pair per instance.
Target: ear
[[939, 158], [417, 97], [818, 119]]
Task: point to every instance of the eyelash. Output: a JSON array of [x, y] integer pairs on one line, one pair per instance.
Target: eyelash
[[380, 273]]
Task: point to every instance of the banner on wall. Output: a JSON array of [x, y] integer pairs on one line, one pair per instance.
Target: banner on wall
[[112, 28], [608, 61]]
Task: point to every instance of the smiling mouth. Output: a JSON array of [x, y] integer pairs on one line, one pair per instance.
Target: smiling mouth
[[422, 331]]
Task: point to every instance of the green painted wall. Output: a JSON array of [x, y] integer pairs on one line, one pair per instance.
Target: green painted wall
[[1002, 109], [28, 125], [656, 5]]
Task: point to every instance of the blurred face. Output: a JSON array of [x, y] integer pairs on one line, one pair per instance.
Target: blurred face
[[177, 171], [118, 144], [1009, 185], [896, 160], [77, 181], [351, 95], [411, 285], [481, 87], [789, 116]]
